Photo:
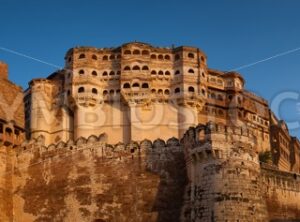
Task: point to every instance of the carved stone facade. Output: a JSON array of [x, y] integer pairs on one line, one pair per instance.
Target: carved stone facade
[[137, 91], [141, 133]]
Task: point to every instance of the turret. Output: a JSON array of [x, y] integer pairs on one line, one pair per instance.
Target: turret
[[223, 161]]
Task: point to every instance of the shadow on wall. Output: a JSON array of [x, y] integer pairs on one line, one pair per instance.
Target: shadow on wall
[[167, 160], [100, 182]]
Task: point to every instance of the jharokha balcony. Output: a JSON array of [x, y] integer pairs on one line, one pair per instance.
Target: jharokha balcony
[[10, 137]]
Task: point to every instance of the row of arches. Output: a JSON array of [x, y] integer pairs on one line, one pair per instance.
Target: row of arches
[[191, 89], [160, 72], [135, 85], [95, 57], [214, 111], [82, 90], [213, 95], [160, 57], [160, 91], [105, 73], [95, 91], [135, 68], [137, 52], [216, 81]]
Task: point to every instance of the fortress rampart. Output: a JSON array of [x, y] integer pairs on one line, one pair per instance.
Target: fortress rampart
[[142, 133], [228, 183]]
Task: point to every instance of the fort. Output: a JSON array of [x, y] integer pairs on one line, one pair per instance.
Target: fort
[[142, 133]]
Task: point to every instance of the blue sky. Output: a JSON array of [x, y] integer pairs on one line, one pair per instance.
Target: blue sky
[[233, 33]]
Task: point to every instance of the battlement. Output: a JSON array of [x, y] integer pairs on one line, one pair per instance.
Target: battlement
[[280, 179], [207, 133], [98, 143]]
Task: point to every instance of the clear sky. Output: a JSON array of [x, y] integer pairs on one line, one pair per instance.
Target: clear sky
[[233, 33]]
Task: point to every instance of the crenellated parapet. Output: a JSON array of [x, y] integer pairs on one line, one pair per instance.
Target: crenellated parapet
[[157, 151], [221, 161]]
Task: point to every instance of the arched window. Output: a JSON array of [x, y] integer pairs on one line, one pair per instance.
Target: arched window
[[94, 91], [161, 57], [136, 52], [105, 57], [94, 73], [167, 92], [160, 91], [145, 52], [202, 59], [105, 92], [127, 52], [81, 71], [136, 68], [153, 72], [191, 71], [111, 92], [220, 97], [191, 55], [191, 89], [177, 90], [112, 57], [177, 72], [126, 86], [105, 73], [167, 57], [111, 73], [177, 57], [81, 89], [153, 56], [8, 130], [81, 56], [145, 68], [203, 92], [119, 72], [167, 73], [126, 68], [153, 91], [145, 86], [160, 72], [94, 57], [135, 84], [203, 75], [118, 91]]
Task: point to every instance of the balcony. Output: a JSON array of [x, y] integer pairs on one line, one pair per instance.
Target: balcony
[[11, 139], [216, 102], [88, 98]]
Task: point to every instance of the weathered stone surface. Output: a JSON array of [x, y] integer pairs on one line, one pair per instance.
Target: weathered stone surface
[[93, 182]]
